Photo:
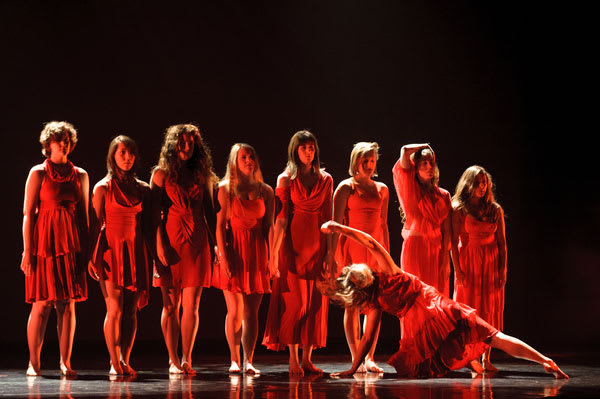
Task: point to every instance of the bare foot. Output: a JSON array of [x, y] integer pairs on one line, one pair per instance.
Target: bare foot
[[250, 369], [175, 368], [127, 369], [372, 367], [66, 370], [310, 368], [361, 369], [115, 370], [32, 371], [489, 367], [476, 366], [234, 368], [296, 370], [188, 368], [552, 368]]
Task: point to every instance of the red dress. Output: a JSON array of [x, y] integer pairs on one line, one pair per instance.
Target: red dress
[[187, 233], [478, 254], [363, 212], [298, 310], [249, 252], [59, 272], [425, 213], [126, 260], [446, 336]]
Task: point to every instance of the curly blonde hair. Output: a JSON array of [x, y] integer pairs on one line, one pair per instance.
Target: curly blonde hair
[[55, 131], [354, 287]]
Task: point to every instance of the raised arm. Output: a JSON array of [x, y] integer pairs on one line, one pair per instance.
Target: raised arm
[[30, 203], [385, 262], [409, 149]]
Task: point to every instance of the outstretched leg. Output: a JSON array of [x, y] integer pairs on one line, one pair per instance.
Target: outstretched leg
[[519, 349]]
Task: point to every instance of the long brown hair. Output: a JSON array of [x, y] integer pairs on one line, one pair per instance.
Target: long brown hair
[[200, 163], [299, 138], [488, 207], [111, 165]]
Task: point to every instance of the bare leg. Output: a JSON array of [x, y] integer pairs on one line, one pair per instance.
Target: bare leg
[[487, 365], [352, 330], [233, 327], [307, 364], [370, 364], [66, 322], [295, 368], [169, 323], [519, 349], [36, 329], [113, 297], [250, 330], [190, 299], [128, 329]]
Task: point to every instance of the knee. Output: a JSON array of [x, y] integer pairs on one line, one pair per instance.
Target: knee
[[169, 311]]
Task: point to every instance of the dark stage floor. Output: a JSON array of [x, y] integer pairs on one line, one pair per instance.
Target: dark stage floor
[[516, 379]]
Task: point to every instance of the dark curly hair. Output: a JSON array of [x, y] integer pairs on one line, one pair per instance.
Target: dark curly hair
[[55, 131]]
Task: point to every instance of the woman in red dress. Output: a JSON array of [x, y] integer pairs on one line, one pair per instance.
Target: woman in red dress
[[55, 229], [479, 249], [297, 311], [121, 228], [247, 211], [362, 203], [450, 334], [182, 187]]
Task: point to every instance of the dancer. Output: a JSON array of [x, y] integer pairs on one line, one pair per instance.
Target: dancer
[[55, 230], [243, 226], [297, 311], [479, 249], [121, 228], [362, 203], [450, 333], [182, 186]]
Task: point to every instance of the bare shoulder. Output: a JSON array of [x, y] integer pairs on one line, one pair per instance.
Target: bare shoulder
[[37, 171], [81, 171], [283, 180], [223, 184], [381, 187], [345, 186], [101, 186], [143, 185], [267, 190], [158, 177]]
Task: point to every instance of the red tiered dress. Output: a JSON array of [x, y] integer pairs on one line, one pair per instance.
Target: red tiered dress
[[478, 254], [187, 232], [249, 253], [297, 310], [126, 260], [363, 212], [58, 274], [425, 213], [448, 335]]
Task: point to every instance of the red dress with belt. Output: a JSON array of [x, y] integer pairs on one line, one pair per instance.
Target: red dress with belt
[[59, 272], [478, 254], [297, 310], [183, 217]]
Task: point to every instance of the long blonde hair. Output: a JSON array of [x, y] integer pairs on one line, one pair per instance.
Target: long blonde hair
[[488, 209], [231, 177], [354, 287]]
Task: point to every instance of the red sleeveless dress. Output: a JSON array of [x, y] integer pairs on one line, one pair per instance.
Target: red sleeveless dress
[[297, 310], [478, 254], [422, 233], [187, 233], [363, 213], [59, 272], [126, 260], [249, 253], [446, 334]]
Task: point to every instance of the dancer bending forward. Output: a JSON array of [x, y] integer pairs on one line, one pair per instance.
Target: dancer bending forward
[[451, 334]]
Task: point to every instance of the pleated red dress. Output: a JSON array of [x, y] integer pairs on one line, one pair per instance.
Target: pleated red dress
[[297, 310], [478, 254], [59, 272], [422, 234], [363, 212], [126, 260], [249, 252], [446, 335], [183, 216]]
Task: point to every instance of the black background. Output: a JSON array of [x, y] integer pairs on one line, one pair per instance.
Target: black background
[[505, 86]]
